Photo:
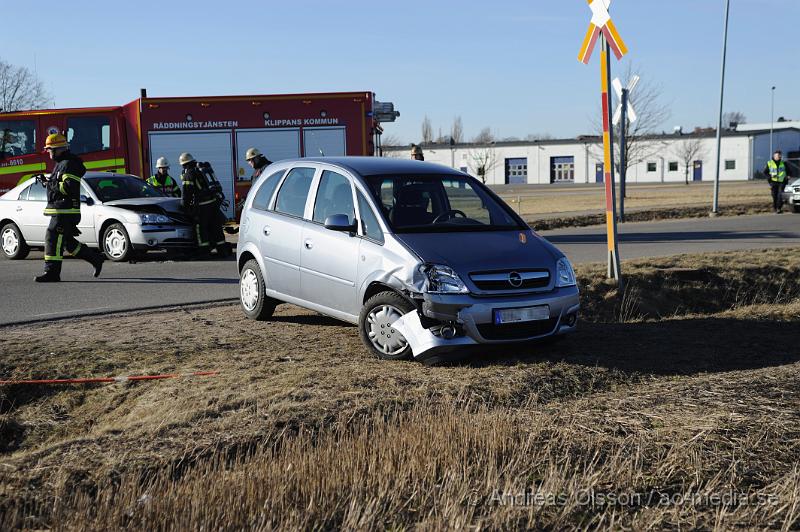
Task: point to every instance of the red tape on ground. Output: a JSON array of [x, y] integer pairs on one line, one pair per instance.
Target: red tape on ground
[[94, 380]]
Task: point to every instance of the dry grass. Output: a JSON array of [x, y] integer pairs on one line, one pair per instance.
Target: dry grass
[[679, 399], [530, 203]]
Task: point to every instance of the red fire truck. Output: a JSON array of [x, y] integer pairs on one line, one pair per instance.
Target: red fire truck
[[218, 129]]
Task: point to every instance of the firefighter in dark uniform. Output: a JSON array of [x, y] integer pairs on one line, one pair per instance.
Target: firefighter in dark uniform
[[257, 162], [778, 175], [162, 181], [203, 205], [64, 210]]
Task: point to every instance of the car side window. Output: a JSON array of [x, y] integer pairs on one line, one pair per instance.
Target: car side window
[[36, 192], [369, 222], [334, 196], [294, 191], [265, 191]]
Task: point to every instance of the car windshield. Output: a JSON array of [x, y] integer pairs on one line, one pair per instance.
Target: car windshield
[[440, 204], [118, 187]]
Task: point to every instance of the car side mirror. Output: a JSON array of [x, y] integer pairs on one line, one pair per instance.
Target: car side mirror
[[87, 200], [340, 222]]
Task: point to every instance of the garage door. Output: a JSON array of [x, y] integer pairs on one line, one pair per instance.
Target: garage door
[[275, 144], [324, 142], [215, 147]]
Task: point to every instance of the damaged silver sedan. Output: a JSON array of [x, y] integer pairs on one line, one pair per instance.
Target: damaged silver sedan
[[423, 258]]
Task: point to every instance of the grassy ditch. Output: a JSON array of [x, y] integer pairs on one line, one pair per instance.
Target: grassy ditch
[[674, 406]]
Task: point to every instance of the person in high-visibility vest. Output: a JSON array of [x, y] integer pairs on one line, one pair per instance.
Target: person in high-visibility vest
[[64, 210], [778, 174], [162, 181]]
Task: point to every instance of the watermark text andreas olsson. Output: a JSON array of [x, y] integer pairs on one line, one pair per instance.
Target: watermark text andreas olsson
[[596, 498]]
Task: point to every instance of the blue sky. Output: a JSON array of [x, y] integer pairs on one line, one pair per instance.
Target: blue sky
[[511, 65]]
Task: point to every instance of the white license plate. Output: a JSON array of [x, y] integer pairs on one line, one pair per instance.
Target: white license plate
[[515, 315]]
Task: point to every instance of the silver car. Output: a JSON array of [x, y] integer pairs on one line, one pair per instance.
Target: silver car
[[120, 214], [423, 258]]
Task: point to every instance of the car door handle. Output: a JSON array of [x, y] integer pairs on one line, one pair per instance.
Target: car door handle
[[19, 209], [267, 230], [309, 244]]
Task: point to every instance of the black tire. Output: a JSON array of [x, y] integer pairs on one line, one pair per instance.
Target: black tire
[[252, 293], [796, 209], [380, 326], [116, 244], [13, 243]]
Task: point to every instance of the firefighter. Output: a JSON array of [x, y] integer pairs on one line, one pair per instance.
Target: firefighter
[[257, 162], [777, 173], [162, 181], [64, 210], [203, 205], [416, 153]]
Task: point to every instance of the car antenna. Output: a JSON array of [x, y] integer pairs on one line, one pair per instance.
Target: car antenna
[[322, 153]]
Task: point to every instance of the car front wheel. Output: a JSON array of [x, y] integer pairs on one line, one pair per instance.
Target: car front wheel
[[116, 243], [252, 293], [13, 244], [375, 325]]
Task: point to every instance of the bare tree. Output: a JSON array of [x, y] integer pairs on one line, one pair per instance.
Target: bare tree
[[482, 160], [651, 114], [689, 151], [427, 130], [484, 136], [457, 131], [391, 140], [20, 89], [538, 136], [732, 118]]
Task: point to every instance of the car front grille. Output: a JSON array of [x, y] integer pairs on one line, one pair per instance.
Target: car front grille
[[517, 331], [511, 279]]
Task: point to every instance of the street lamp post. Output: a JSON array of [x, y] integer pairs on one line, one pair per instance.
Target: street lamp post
[[771, 120], [715, 206]]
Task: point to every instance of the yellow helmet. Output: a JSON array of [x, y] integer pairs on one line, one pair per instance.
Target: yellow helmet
[[185, 158], [162, 162], [56, 140], [252, 153]]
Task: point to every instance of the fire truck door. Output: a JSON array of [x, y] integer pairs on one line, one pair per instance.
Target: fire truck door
[[215, 147], [324, 142], [275, 144]]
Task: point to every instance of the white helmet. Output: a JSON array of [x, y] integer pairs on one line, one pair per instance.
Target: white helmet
[[252, 153], [162, 163], [185, 158]]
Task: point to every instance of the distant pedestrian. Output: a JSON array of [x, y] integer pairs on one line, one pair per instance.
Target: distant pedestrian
[[257, 162], [162, 181], [416, 153], [777, 173]]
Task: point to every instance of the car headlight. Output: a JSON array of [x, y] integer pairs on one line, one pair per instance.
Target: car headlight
[[154, 219], [565, 275], [442, 280]]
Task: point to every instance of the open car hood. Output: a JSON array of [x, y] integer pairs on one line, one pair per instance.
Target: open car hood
[[167, 206]]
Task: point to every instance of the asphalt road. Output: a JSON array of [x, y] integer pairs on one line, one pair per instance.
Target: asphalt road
[[156, 283]]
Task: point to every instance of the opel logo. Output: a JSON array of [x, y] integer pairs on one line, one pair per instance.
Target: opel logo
[[515, 279]]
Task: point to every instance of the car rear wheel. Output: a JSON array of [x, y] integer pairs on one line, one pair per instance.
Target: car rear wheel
[[252, 293], [796, 209], [375, 325], [13, 244], [116, 243]]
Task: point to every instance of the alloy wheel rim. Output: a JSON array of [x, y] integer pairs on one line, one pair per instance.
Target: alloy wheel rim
[[248, 288], [10, 242], [115, 243], [383, 336]]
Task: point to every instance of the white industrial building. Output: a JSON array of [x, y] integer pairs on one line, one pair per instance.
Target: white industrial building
[[745, 152]]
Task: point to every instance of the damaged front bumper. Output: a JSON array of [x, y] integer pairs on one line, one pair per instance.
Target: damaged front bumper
[[448, 322]]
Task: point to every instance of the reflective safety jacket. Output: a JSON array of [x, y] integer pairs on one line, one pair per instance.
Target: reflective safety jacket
[[169, 187], [196, 189], [64, 186], [777, 171]]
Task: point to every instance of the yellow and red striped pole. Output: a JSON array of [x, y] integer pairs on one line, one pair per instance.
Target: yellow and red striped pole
[[608, 166]]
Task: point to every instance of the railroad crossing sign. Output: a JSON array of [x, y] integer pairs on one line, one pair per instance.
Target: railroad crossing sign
[[601, 23], [628, 105]]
